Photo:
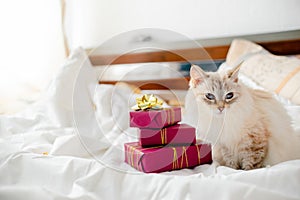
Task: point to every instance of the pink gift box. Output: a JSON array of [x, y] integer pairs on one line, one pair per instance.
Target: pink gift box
[[167, 158], [182, 134], [155, 118]]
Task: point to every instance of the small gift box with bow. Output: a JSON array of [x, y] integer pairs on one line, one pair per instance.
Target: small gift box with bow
[[167, 158], [150, 114]]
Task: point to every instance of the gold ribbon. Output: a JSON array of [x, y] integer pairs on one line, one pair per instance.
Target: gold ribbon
[[131, 155], [146, 102], [132, 151], [163, 136], [175, 159], [182, 158], [170, 116], [198, 152]]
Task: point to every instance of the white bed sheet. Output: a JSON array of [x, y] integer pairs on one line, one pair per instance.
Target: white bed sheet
[[81, 167]]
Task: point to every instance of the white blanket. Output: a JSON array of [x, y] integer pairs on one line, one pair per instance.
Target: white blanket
[[54, 150]]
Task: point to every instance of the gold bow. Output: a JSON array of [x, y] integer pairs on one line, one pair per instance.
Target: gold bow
[[147, 101]]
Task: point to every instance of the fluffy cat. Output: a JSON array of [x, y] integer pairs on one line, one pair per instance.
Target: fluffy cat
[[248, 128]]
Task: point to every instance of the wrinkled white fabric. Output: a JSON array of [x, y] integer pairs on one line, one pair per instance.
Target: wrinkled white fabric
[[89, 163]]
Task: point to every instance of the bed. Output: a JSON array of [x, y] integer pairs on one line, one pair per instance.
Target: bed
[[69, 144]]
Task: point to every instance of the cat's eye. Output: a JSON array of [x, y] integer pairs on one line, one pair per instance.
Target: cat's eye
[[229, 95], [210, 96]]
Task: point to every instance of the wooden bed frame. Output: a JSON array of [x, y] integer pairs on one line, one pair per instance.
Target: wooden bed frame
[[281, 47]]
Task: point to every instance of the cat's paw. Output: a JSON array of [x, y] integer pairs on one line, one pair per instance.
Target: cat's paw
[[232, 164], [247, 167]]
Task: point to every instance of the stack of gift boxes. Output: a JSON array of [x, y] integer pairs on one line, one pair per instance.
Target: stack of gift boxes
[[164, 144]]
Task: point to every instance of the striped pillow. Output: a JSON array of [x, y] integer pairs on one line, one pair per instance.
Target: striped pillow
[[279, 74]]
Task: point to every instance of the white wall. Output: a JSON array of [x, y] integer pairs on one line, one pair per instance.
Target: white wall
[[31, 49], [91, 22]]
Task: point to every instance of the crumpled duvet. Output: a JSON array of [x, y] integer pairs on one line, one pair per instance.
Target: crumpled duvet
[[55, 151]]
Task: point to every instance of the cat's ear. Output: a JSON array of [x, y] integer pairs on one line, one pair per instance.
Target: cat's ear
[[197, 75], [234, 73]]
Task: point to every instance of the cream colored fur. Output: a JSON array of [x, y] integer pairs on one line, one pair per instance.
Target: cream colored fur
[[253, 129]]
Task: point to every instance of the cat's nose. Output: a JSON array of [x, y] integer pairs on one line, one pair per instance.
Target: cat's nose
[[220, 109]]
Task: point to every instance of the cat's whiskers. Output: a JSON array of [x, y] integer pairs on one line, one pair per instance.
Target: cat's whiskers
[[221, 129]]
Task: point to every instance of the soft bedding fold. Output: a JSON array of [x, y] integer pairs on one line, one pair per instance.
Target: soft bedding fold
[[66, 177]]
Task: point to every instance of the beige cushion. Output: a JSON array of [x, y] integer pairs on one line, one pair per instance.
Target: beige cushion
[[279, 74]]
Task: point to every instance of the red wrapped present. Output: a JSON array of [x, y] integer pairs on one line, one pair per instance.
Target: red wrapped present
[[182, 134], [167, 158], [155, 118]]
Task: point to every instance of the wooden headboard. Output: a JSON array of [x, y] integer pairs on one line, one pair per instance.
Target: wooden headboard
[[286, 47], [279, 47]]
